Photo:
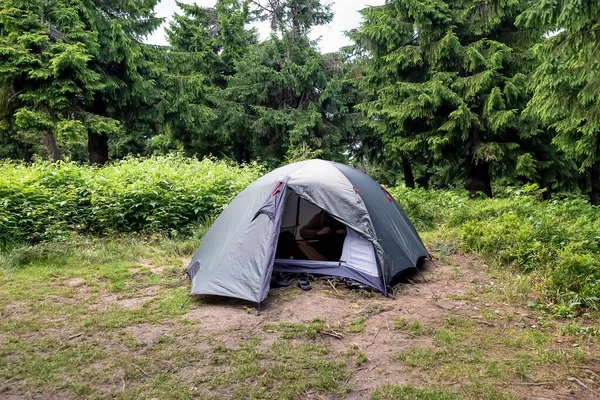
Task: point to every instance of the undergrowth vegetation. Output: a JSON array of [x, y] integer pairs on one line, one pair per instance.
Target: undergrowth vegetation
[[42, 201], [559, 240]]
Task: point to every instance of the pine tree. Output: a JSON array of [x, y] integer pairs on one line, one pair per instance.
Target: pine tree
[[129, 71], [448, 83], [206, 42], [567, 82], [281, 107], [47, 83]]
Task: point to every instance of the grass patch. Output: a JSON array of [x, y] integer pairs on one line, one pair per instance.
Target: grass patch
[[392, 392], [573, 328], [282, 371], [51, 363], [420, 357], [361, 358], [414, 328], [357, 325], [286, 294], [288, 330], [466, 352], [123, 300]]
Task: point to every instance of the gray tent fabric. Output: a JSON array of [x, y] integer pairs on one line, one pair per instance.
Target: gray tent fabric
[[322, 184], [400, 244], [245, 271], [237, 255]]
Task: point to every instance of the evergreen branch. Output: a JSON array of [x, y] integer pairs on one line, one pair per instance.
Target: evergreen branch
[[256, 3]]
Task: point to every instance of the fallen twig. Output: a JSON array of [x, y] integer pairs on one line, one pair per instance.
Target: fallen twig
[[259, 322], [577, 381], [75, 335], [530, 383], [449, 383], [587, 369], [334, 334], [478, 319], [141, 370], [374, 338], [258, 380]]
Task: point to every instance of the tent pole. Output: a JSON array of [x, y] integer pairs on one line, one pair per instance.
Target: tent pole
[[297, 216]]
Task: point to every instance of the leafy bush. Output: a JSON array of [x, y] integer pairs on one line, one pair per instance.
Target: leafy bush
[[560, 238], [43, 201]]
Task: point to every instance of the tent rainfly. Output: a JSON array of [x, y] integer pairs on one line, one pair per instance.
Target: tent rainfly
[[237, 255]]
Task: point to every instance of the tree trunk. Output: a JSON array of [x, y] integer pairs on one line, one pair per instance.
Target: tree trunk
[[595, 181], [98, 148], [409, 178], [545, 184], [49, 142], [28, 154], [547, 195], [479, 179]]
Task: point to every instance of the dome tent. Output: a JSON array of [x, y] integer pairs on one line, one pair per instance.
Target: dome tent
[[237, 255]]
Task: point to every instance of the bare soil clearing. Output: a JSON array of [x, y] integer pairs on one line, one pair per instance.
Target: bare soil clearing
[[137, 335]]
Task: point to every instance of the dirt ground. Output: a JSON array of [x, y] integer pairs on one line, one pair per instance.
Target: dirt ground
[[440, 291], [456, 328]]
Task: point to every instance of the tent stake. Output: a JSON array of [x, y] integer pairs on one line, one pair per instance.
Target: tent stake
[[186, 301], [338, 293], [258, 309]]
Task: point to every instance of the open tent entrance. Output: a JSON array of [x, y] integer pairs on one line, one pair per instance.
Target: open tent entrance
[[349, 256]]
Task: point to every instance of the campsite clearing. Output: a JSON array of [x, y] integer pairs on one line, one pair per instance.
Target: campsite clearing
[[100, 318]]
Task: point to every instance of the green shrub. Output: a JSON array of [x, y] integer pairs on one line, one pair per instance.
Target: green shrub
[[43, 201], [559, 238]]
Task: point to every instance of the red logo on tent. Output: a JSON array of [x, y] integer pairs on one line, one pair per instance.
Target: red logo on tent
[[277, 188]]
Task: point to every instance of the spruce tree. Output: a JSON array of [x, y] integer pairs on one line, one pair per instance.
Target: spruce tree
[[47, 84], [567, 82], [206, 42], [129, 70], [281, 106], [447, 82]]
